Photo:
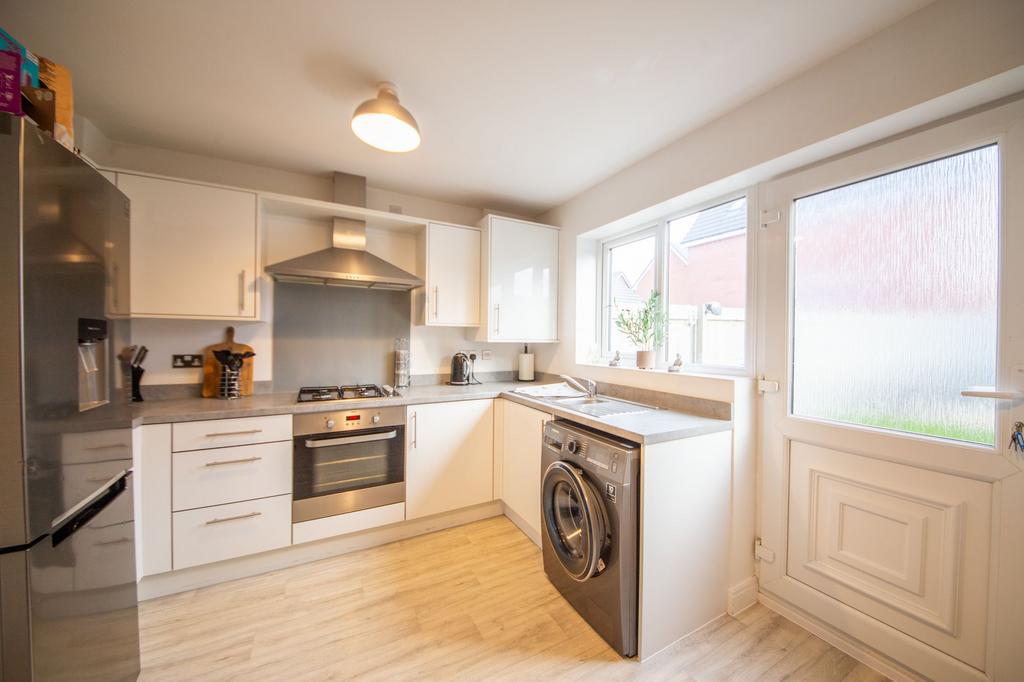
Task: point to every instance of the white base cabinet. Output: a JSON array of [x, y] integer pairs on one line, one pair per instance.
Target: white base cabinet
[[449, 456], [522, 433], [209, 534]]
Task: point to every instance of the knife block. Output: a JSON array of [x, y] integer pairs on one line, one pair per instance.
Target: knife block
[[137, 373]]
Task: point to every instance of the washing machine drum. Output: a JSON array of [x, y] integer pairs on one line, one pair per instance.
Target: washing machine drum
[[575, 521]]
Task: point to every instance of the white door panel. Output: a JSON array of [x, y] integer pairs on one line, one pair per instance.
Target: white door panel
[[904, 545]]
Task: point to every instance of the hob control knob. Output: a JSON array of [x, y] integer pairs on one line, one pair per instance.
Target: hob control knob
[[573, 447], [375, 419], [329, 424]]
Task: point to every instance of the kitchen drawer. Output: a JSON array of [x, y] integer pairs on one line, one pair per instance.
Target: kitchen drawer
[[203, 478], [104, 556], [202, 536], [93, 446], [82, 480], [219, 433]]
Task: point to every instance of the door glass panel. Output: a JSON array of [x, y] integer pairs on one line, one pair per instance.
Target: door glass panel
[[895, 299]]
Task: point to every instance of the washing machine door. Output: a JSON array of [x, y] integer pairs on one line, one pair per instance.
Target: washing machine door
[[574, 520]]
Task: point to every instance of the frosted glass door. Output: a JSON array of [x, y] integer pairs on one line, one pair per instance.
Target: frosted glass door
[[888, 284], [895, 299]]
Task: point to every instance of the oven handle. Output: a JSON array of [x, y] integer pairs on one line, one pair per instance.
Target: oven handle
[[348, 440]]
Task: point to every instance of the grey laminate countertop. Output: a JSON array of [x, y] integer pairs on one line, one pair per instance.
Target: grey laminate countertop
[[656, 426]]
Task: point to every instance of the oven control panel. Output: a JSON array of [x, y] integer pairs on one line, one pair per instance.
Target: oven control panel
[[346, 420]]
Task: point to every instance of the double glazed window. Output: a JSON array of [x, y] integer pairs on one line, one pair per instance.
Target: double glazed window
[[698, 261]]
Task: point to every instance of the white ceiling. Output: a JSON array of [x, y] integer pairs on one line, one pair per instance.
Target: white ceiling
[[521, 104]]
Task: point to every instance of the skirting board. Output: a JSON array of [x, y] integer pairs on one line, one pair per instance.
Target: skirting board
[[163, 584], [741, 596], [849, 646], [522, 525]]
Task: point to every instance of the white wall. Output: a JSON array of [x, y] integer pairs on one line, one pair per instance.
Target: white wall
[[431, 347], [945, 58]]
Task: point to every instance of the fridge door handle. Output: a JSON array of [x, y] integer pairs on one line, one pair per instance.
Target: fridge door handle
[[68, 523]]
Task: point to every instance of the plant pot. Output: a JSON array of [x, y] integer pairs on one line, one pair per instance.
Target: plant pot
[[645, 359]]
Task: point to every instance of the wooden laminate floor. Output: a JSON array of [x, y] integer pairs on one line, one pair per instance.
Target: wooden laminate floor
[[468, 603]]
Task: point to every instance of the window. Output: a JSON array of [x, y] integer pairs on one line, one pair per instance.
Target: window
[[895, 299], [699, 261]]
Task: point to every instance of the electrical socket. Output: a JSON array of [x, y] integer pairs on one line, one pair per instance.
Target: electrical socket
[[186, 361], [487, 355]]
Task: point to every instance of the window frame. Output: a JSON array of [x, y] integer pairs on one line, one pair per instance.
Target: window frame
[[659, 228]]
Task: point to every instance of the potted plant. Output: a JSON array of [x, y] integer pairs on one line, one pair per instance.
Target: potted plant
[[645, 328]]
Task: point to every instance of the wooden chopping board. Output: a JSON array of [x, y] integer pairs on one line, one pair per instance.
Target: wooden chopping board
[[211, 366]]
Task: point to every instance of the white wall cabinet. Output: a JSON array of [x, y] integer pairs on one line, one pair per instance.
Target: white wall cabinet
[[520, 272], [522, 434], [193, 249], [449, 456], [451, 294]]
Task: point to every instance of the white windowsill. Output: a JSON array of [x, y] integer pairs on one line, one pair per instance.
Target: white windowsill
[[722, 375]]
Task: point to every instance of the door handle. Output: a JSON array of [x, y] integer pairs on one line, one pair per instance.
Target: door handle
[[222, 462], [991, 392], [241, 291], [349, 440], [415, 430], [497, 318], [234, 433], [437, 306], [250, 515]]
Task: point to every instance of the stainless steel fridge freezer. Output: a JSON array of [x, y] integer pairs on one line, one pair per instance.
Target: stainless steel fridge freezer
[[68, 600]]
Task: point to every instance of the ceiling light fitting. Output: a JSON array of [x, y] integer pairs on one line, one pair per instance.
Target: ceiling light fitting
[[384, 123]]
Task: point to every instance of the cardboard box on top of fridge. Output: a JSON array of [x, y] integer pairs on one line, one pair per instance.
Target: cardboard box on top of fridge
[[29, 62], [57, 78], [10, 73], [40, 106]]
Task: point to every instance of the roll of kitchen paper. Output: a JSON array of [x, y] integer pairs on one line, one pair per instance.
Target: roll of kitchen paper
[[526, 366]]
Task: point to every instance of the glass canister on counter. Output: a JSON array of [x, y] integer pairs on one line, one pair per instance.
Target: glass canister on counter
[[402, 363]]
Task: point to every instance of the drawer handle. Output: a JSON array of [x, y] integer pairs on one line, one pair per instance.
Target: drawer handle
[[222, 462], [119, 541], [234, 518], [110, 446], [234, 433]]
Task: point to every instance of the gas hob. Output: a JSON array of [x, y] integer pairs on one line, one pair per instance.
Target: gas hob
[[318, 394]]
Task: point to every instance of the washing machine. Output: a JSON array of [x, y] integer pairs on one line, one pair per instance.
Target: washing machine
[[590, 519]]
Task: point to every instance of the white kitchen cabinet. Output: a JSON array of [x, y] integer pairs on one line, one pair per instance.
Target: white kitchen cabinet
[[203, 478], [451, 294], [522, 434], [227, 531], [449, 456], [151, 455], [520, 272], [193, 249]]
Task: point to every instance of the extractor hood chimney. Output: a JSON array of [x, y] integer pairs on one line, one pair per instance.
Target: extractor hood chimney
[[347, 263]]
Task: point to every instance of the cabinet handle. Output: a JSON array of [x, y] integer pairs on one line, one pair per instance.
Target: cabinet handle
[[436, 304], [108, 446], [250, 515], [415, 431], [241, 291], [234, 433], [222, 462], [115, 288], [118, 541], [497, 318]]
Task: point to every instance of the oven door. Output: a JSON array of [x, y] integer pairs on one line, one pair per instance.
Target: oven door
[[336, 473]]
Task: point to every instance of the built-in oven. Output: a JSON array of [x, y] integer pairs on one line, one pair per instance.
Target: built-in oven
[[347, 460]]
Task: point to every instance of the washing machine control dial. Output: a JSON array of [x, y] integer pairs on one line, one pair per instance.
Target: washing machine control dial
[[573, 447]]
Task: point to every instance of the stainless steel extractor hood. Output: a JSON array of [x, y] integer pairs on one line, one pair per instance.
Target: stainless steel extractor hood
[[346, 263]]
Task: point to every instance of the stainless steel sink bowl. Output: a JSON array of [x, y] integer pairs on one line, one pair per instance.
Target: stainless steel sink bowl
[[600, 406]]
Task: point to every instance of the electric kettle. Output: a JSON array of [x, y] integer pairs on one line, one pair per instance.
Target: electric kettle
[[461, 370]]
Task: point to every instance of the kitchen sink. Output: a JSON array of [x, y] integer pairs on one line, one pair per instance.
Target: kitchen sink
[[600, 407]]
